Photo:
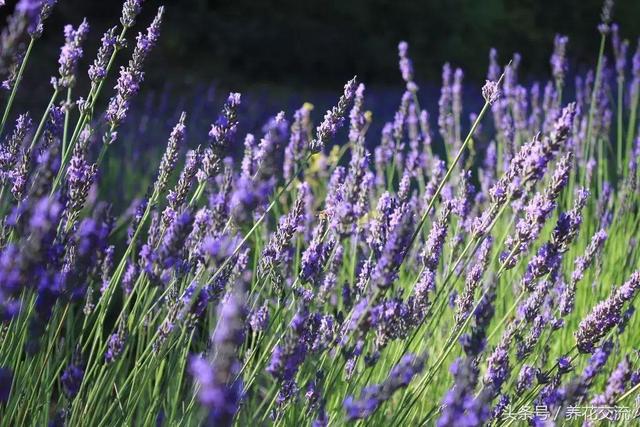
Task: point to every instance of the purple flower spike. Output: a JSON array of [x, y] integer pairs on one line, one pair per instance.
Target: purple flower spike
[[371, 397], [491, 91], [98, 70], [132, 76], [220, 391], [130, 10], [71, 380], [334, 118], [605, 315], [70, 54], [615, 385], [406, 66], [6, 378], [558, 58]]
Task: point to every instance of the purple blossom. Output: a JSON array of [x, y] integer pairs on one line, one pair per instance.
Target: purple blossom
[[6, 378], [220, 392], [98, 70], [357, 115], [316, 253], [491, 91], [170, 156], [116, 344], [276, 250], [558, 58], [564, 364], [464, 302], [474, 342], [371, 397], [259, 319], [36, 12], [298, 142], [536, 213], [132, 76], [333, 118], [445, 116], [525, 378], [386, 269], [80, 175], [71, 53], [615, 385], [605, 315], [130, 10], [406, 66], [71, 380], [11, 146], [433, 246], [227, 123], [581, 264], [620, 49], [498, 367], [290, 354], [460, 405], [493, 72], [597, 361]]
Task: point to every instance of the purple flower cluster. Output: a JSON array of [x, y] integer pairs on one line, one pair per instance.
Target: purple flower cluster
[[220, 391], [371, 397], [333, 118], [460, 405], [131, 77], [604, 316], [98, 70], [70, 54], [294, 275]]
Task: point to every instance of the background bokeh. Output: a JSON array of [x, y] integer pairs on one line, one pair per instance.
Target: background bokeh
[[319, 44], [282, 53]]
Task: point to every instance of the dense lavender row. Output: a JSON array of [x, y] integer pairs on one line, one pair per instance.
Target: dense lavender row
[[473, 265]]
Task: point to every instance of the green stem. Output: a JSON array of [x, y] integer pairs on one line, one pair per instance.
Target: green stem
[[84, 118], [67, 119], [631, 126], [43, 120], [594, 96], [14, 90]]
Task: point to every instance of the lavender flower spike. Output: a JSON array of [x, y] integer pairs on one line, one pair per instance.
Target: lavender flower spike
[[6, 378], [406, 66], [615, 385], [491, 91], [70, 54], [168, 162], [581, 264], [558, 58], [334, 118], [464, 301], [372, 396], [130, 10], [220, 392], [132, 76], [98, 70], [605, 315]]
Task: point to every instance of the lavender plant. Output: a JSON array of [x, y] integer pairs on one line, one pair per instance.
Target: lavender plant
[[413, 277]]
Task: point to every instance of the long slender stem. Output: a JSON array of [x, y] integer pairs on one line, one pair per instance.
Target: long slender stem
[[44, 118], [16, 84], [84, 118], [594, 97], [67, 118]]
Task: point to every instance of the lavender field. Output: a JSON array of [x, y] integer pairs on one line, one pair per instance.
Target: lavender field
[[474, 264]]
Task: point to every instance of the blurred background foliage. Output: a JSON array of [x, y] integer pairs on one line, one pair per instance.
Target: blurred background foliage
[[282, 53], [320, 44]]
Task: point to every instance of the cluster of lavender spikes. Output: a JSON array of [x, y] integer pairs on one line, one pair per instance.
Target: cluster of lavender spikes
[[304, 283]]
